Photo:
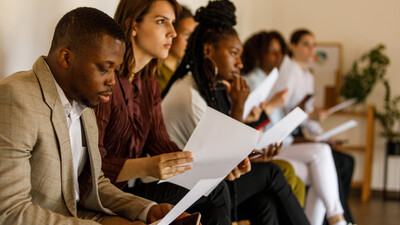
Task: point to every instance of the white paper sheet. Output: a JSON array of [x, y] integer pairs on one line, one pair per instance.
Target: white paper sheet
[[198, 190], [219, 143], [260, 93], [283, 128], [342, 105], [339, 129]]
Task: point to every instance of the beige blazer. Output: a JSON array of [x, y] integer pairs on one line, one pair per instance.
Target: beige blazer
[[36, 170]]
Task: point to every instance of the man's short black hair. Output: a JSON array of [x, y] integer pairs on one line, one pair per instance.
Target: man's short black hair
[[80, 28]]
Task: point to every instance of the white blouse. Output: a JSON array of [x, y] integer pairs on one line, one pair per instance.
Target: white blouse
[[298, 81], [182, 109]]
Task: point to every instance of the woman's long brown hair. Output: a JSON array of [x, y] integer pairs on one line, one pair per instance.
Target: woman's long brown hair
[[127, 12]]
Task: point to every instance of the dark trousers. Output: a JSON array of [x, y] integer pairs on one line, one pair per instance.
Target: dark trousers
[[215, 209], [263, 196], [344, 166]]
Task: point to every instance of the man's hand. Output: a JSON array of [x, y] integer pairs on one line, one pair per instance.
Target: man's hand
[[242, 168], [157, 212]]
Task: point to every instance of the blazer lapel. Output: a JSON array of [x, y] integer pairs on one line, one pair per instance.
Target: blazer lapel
[[91, 189], [60, 126]]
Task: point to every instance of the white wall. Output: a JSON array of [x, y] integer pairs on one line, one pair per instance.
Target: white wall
[[358, 25], [26, 29]]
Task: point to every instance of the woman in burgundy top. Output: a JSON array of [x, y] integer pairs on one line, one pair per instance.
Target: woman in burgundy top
[[131, 124]]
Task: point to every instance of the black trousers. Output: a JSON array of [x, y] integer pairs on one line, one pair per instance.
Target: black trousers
[[263, 196], [215, 209], [344, 166]]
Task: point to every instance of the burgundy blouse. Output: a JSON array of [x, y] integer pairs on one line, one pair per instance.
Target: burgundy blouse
[[131, 124]]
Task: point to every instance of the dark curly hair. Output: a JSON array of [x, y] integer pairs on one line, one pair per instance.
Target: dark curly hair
[[80, 28], [215, 23], [257, 46]]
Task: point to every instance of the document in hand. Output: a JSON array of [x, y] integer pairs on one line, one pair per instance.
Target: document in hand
[[283, 128], [219, 143], [261, 93], [339, 129], [342, 105]]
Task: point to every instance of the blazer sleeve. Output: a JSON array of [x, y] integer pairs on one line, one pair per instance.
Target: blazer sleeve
[[119, 202], [18, 137]]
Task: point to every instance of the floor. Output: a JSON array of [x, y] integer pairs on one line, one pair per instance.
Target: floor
[[376, 211]]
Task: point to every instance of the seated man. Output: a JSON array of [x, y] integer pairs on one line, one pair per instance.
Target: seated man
[[50, 166]]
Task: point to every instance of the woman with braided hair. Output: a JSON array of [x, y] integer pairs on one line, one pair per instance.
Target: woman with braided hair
[[131, 125], [209, 76]]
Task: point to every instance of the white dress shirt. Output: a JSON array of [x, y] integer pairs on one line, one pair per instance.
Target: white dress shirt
[[73, 112]]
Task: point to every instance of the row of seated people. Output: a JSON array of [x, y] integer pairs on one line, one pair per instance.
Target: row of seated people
[[53, 155]]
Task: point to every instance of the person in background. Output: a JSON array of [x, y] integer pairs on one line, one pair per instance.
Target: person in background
[[212, 58], [50, 164], [184, 27], [261, 53], [297, 79], [131, 124]]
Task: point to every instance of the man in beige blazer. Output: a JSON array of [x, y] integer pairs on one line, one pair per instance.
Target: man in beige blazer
[[39, 167]]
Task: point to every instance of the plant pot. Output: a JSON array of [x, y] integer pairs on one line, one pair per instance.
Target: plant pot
[[393, 147]]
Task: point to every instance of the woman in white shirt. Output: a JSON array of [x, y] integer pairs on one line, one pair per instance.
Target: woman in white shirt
[[212, 57], [313, 162]]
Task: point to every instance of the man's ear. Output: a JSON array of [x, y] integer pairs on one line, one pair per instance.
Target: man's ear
[[64, 57], [208, 49]]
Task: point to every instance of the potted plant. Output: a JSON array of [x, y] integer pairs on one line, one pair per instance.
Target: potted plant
[[389, 119], [366, 71]]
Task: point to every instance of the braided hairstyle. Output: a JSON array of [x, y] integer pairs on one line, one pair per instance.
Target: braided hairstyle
[[215, 23]]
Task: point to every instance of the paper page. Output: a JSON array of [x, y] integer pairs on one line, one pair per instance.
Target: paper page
[[198, 190], [260, 93], [219, 143], [339, 129], [283, 128], [342, 105]]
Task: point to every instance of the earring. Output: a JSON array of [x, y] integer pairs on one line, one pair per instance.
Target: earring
[[212, 65]]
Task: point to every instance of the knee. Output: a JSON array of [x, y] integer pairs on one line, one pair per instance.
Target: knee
[[287, 169], [324, 152], [221, 196]]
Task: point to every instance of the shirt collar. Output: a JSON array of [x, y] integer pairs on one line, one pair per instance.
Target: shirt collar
[[74, 109]]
